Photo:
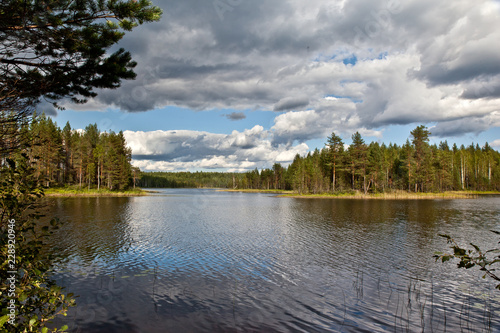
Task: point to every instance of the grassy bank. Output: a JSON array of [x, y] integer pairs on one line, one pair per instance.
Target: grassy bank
[[395, 195], [257, 191], [85, 192]]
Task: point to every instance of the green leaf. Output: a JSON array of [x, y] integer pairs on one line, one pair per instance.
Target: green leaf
[[64, 328], [3, 320], [458, 251], [32, 322], [45, 330], [22, 297], [476, 247]]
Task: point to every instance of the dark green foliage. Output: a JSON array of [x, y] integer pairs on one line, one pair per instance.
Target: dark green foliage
[[471, 257], [421, 157], [66, 42], [189, 179], [87, 159], [37, 298], [46, 156], [357, 156], [335, 156]]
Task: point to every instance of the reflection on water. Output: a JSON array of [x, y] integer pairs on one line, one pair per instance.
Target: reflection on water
[[207, 261]]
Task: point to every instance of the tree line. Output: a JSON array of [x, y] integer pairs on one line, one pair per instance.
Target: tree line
[[186, 179], [87, 159], [415, 166]]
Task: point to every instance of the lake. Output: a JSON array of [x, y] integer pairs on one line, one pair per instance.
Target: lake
[[191, 260]]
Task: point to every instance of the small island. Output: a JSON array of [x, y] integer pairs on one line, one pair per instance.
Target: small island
[[76, 192]]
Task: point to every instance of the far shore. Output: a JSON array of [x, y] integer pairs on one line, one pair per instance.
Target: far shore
[[395, 195], [65, 192], [257, 191]]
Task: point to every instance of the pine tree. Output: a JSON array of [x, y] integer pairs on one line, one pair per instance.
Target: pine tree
[[444, 166], [358, 157], [420, 143], [68, 153], [409, 165], [374, 166], [66, 42], [335, 156]]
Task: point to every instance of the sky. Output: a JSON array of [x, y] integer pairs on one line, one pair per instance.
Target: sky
[[234, 85]]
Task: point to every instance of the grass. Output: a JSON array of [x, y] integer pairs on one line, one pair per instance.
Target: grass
[[397, 194], [75, 191], [257, 191], [394, 195]]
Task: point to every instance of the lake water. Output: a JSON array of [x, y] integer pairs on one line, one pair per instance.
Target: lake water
[[206, 261]]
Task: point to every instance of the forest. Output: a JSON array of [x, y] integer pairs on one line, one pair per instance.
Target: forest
[[86, 159], [93, 159], [416, 166]]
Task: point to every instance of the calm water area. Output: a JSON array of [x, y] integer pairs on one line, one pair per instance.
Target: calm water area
[[199, 260]]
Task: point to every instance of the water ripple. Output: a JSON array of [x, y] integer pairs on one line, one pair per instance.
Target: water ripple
[[206, 261]]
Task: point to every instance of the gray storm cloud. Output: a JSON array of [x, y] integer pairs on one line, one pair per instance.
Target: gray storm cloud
[[417, 61]]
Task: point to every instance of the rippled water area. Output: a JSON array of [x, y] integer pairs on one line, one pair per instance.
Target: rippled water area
[[195, 260]]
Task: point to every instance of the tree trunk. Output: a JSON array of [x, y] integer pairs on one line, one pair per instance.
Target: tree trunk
[[333, 183], [489, 172], [462, 172], [353, 176], [99, 176]]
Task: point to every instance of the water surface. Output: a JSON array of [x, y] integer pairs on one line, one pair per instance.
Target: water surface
[[208, 261]]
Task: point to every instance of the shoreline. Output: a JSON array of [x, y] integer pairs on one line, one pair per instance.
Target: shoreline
[[397, 195], [256, 191], [70, 193]]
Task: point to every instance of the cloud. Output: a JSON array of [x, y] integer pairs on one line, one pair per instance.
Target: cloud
[[235, 116], [291, 103], [463, 51], [496, 144], [416, 62], [461, 126], [192, 150], [47, 108], [489, 88]]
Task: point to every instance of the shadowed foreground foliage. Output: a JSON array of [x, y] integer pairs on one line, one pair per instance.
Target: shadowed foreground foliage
[[36, 297]]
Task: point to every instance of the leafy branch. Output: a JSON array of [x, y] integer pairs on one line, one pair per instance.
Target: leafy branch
[[35, 298], [472, 257]]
